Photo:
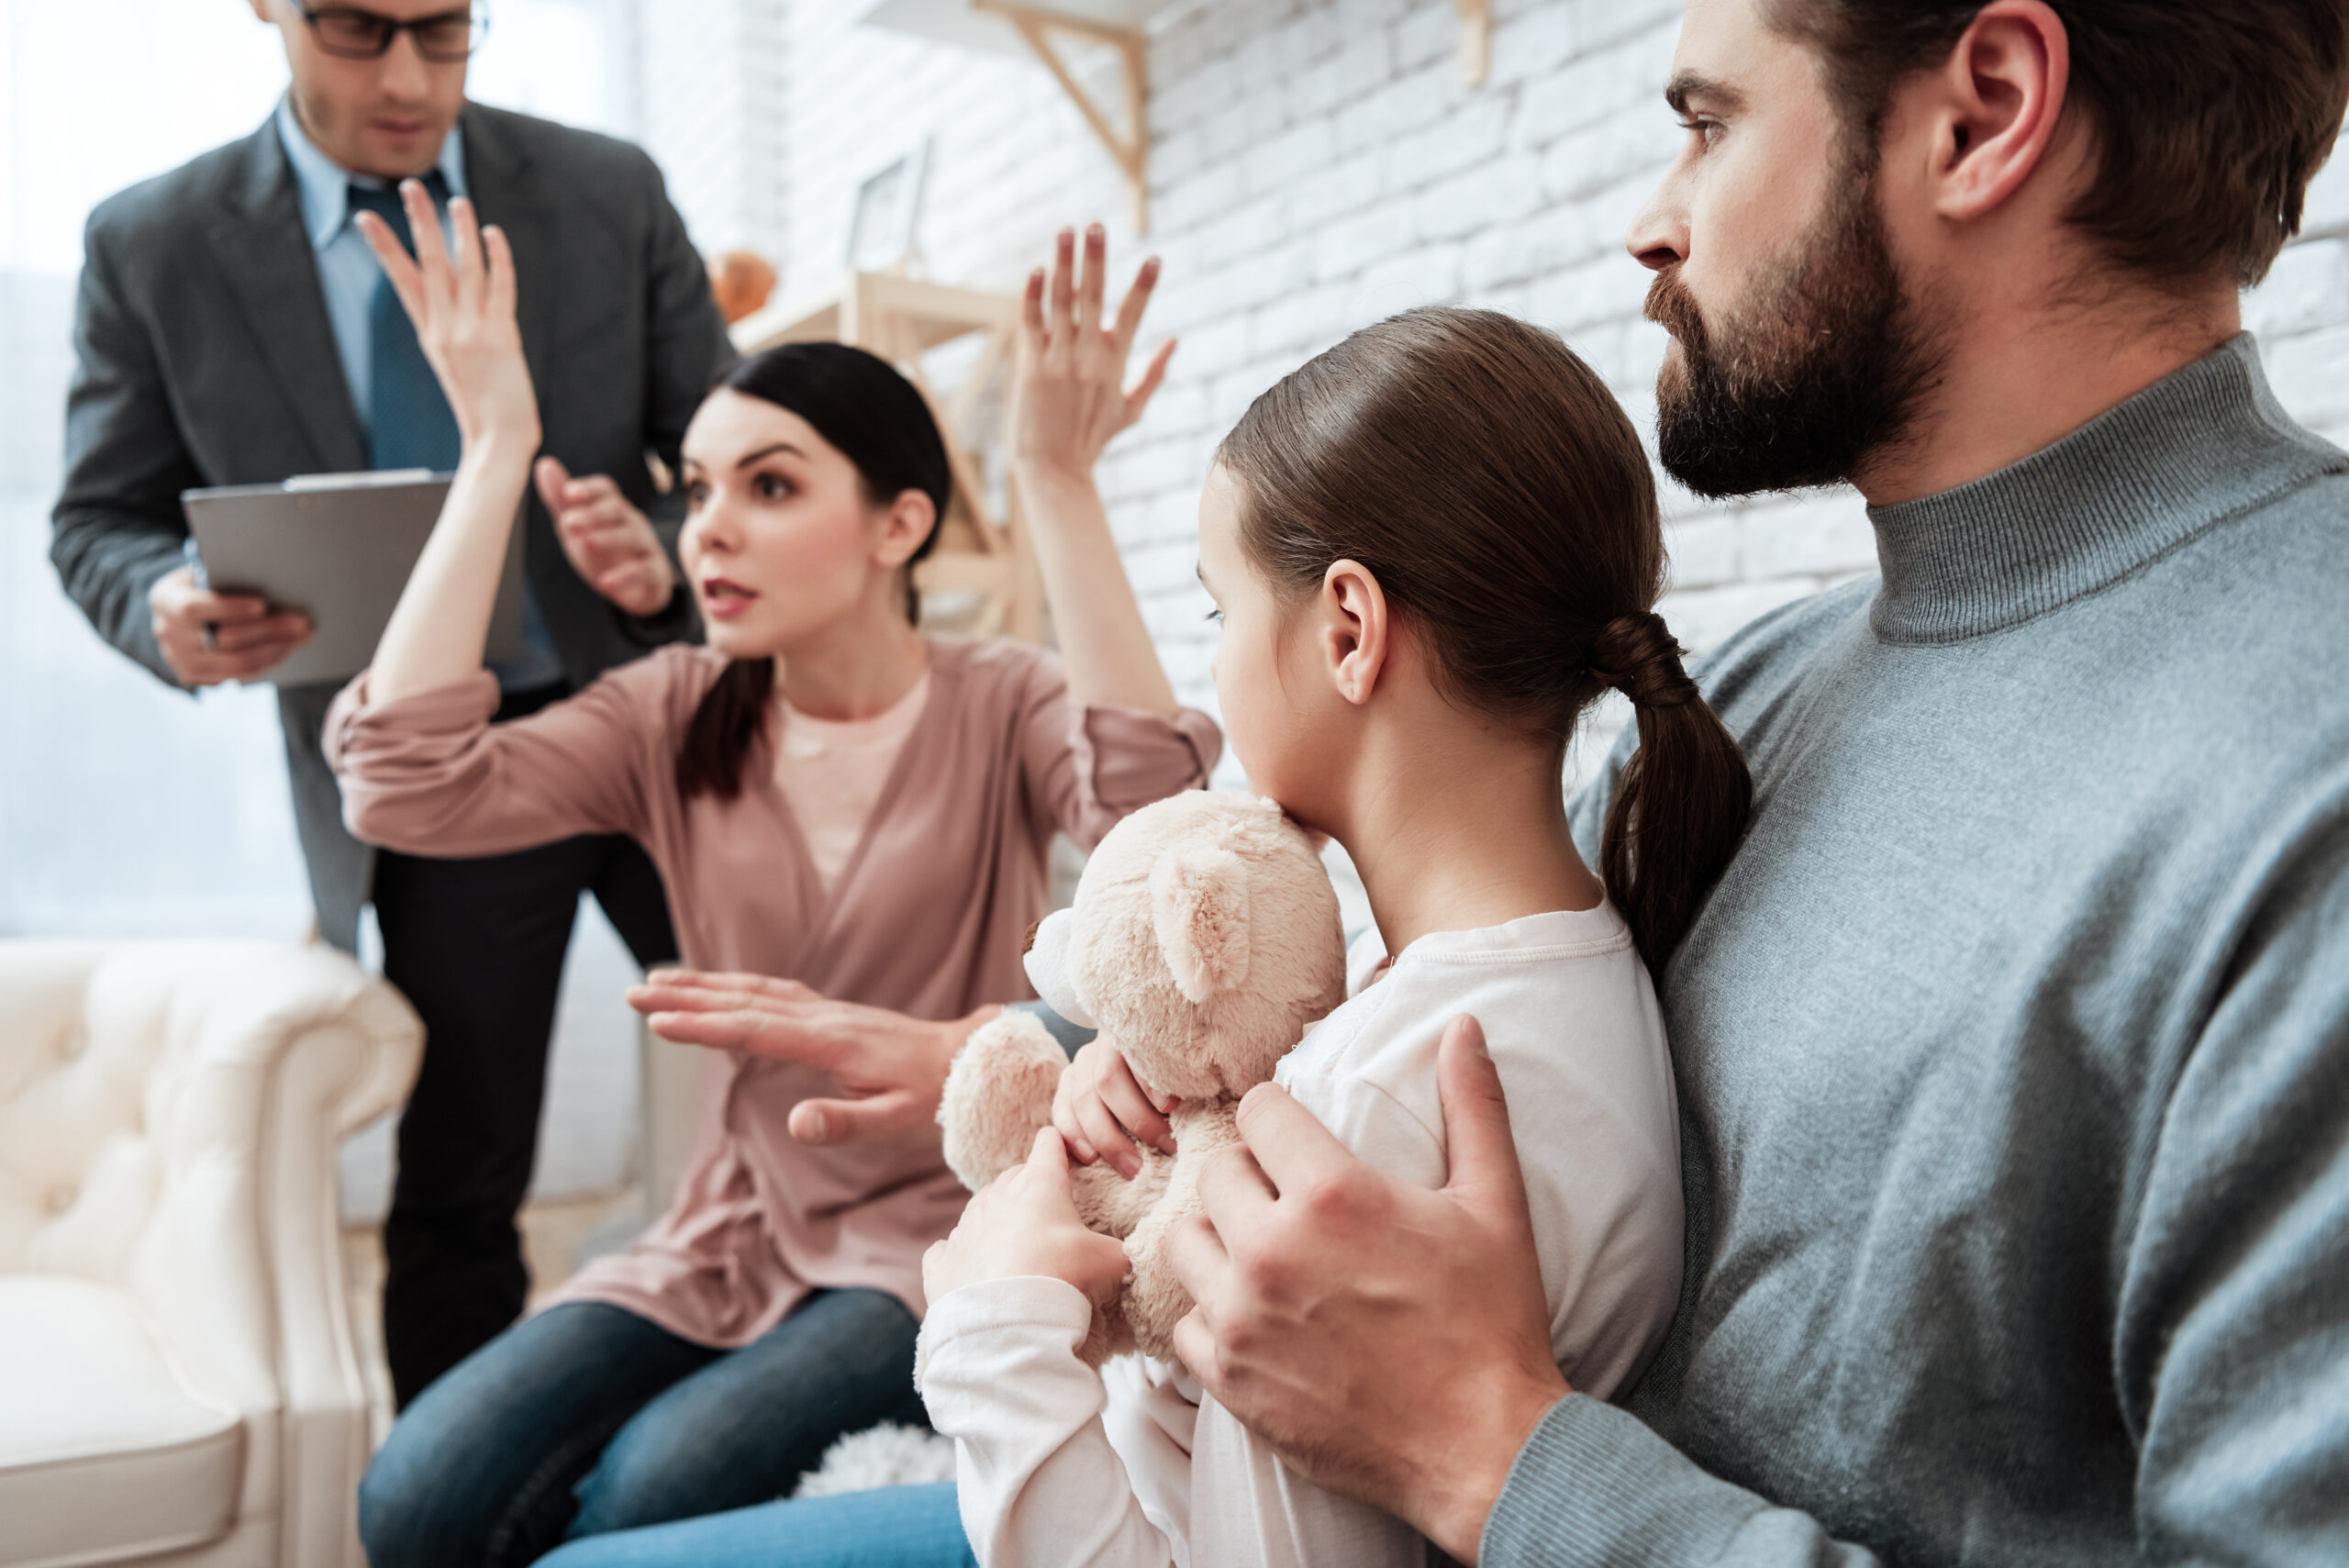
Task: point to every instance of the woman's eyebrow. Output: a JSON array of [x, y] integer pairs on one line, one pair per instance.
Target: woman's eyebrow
[[749, 459], [1200, 569]]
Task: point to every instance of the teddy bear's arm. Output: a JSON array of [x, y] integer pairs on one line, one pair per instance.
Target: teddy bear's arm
[[998, 1092]]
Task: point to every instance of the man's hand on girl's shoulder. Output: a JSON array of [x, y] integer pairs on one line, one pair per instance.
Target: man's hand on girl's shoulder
[[1391, 1342]]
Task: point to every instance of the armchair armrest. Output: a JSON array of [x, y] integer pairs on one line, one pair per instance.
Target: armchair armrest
[[169, 1115]]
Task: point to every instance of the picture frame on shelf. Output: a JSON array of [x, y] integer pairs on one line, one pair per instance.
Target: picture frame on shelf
[[884, 225]]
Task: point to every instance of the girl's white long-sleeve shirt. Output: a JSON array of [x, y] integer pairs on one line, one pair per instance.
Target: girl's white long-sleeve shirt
[[1057, 1464]]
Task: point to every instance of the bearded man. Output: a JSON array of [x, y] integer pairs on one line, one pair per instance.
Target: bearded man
[[2013, 1046]]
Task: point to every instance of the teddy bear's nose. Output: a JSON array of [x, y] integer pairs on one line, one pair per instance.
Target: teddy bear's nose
[[1027, 942], [1047, 966]]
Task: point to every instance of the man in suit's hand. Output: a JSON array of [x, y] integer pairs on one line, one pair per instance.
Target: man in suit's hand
[[611, 544], [209, 638]]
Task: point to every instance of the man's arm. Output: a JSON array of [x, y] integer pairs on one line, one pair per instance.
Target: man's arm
[[2233, 1343], [118, 528], [630, 556], [118, 537], [688, 347], [2231, 1333]]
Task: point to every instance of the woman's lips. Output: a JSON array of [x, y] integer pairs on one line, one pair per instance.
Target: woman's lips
[[723, 599]]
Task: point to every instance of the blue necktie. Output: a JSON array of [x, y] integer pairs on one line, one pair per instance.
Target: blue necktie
[[409, 422], [409, 425]]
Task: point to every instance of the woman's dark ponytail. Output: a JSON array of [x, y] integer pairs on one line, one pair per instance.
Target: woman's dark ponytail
[[1682, 800], [724, 727], [1499, 492], [865, 406]]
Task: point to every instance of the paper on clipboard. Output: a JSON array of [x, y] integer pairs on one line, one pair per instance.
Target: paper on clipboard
[[338, 547]]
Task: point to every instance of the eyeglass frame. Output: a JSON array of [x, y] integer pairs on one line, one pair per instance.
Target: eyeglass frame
[[476, 14]]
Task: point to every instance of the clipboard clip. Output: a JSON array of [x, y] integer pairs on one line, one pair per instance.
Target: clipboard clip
[[203, 583]]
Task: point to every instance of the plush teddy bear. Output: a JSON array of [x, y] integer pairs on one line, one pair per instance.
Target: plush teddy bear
[[1203, 943]]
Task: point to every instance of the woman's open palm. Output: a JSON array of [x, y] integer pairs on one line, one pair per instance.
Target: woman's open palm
[[1069, 396], [461, 302]]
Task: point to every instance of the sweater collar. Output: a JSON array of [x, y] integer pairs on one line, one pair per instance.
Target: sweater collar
[[2203, 443]]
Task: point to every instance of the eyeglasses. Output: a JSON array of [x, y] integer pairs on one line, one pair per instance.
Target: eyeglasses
[[350, 33]]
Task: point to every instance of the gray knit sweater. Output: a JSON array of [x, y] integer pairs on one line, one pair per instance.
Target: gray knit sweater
[[2013, 1049]]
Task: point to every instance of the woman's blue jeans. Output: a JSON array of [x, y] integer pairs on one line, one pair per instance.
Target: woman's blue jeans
[[588, 1418], [895, 1527]]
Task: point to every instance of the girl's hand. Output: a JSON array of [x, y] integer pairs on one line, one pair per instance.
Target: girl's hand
[[1068, 395], [462, 305], [1102, 1109], [609, 542], [1024, 1224]]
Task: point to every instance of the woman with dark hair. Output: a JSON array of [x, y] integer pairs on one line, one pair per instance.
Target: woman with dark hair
[[831, 797]]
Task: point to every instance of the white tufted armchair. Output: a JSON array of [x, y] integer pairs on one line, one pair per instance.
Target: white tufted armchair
[[178, 1381]]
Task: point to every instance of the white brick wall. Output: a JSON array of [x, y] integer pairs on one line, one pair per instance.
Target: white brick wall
[[1315, 164], [707, 101]]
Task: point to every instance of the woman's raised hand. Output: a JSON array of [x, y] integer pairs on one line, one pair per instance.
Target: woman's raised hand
[[1069, 396], [462, 305]]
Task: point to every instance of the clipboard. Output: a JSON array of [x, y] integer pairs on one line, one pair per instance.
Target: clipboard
[[338, 547]]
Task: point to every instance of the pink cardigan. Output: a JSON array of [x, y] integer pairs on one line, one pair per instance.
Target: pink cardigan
[[927, 917]]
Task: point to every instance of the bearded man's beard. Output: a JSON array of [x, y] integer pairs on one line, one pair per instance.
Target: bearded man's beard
[[1819, 370]]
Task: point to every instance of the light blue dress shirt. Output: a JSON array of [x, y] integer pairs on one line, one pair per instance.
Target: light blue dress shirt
[[347, 269], [348, 272]]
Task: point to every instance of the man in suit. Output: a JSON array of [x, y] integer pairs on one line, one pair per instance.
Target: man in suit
[[233, 328]]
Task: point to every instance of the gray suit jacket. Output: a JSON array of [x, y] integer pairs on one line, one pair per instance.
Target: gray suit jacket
[[206, 358]]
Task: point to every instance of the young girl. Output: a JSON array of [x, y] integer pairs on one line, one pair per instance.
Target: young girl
[[831, 798], [1430, 548]]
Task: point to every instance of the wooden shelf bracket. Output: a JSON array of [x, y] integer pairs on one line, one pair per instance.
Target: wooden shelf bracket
[[1475, 40], [1130, 151]]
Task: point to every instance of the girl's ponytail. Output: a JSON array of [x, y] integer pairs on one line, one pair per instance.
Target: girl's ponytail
[[1682, 801], [1500, 495]]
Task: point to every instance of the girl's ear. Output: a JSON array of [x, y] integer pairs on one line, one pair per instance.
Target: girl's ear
[[909, 521], [1356, 636]]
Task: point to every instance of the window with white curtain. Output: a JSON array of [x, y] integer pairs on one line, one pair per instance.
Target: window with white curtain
[[126, 807]]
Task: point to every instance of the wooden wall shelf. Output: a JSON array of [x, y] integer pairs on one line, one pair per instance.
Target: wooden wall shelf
[[1129, 149], [1475, 40], [1034, 26]]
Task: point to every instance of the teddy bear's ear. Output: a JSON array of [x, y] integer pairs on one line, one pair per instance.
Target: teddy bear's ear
[[1198, 904]]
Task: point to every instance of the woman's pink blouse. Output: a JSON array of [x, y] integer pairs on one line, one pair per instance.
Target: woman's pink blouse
[[927, 917]]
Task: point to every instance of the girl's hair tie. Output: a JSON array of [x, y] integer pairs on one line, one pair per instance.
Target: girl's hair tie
[[1636, 655]]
